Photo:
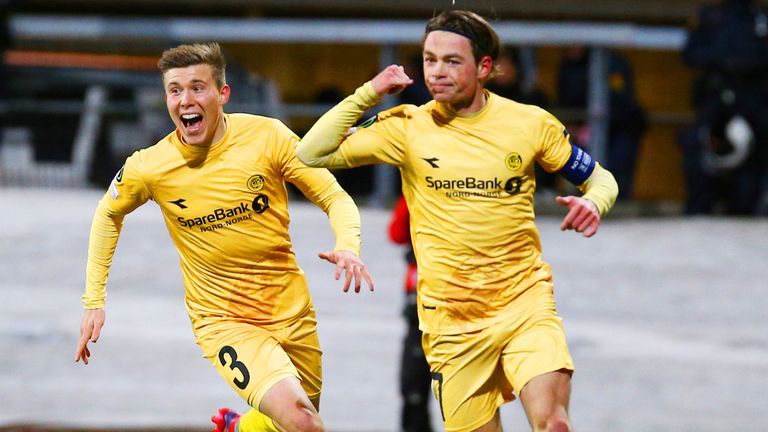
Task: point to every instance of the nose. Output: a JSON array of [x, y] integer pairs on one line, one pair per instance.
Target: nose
[[186, 98], [436, 70]]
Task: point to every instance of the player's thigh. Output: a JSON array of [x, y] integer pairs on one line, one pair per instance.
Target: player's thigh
[[538, 347], [249, 358], [302, 345], [467, 381]]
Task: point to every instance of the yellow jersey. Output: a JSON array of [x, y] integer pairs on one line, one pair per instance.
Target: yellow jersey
[[469, 185], [226, 209]]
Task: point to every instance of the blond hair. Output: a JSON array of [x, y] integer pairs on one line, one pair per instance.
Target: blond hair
[[195, 54]]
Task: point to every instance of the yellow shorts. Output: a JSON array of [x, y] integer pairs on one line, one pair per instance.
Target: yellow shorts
[[252, 359], [474, 373]]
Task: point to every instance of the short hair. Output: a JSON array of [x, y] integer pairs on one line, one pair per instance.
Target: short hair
[[195, 54], [482, 37]]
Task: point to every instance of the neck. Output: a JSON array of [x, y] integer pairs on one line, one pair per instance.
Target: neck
[[470, 106]]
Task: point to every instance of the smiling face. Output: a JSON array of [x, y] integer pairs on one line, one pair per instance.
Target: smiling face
[[195, 103], [452, 75]]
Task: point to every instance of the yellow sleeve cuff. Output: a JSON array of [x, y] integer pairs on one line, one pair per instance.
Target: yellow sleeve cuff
[[601, 188]]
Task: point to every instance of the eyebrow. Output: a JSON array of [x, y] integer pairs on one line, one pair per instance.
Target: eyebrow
[[194, 81], [449, 55]]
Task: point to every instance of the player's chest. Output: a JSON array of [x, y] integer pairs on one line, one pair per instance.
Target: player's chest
[[227, 186], [455, 155]]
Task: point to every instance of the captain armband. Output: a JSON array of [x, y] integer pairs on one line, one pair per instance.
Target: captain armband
[[579, 167]]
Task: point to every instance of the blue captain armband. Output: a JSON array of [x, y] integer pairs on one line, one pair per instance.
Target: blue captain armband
[[579, 167]]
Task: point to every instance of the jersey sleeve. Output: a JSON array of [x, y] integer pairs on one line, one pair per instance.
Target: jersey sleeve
[[126, 192], [321, 187], [555, 145], [333, 143]]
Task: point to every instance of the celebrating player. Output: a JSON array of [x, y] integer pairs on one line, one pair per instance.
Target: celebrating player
[[219, 180], [485, 296]]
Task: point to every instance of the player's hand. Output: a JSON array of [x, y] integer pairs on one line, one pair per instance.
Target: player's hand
[[352, 264], [90, 329], [583, 215], [392, 80]]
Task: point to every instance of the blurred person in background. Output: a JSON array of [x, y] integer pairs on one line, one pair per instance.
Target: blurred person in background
[[508, 80], [5, 43], [491, 331], [725, 150], [415, 378], [626, 118], [219, 180]]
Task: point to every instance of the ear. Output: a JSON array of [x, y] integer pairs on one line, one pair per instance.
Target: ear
[[484, 67], [224, 94]]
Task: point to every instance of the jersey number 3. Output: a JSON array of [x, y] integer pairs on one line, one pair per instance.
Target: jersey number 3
[[235, 364]]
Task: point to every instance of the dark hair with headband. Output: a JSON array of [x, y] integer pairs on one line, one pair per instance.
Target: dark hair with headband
[[484, 40]]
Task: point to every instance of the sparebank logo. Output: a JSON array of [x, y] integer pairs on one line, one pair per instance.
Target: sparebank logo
[[219, 218], [464, 183], [473, 186]]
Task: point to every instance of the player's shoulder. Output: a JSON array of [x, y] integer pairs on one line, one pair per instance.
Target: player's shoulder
[[400, 111], [518, 108], [246, 120]]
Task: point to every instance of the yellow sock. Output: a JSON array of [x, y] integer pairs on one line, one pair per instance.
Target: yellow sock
[[256, 421]]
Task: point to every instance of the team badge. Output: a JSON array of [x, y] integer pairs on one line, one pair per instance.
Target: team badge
[[256, 182], [513, 161]]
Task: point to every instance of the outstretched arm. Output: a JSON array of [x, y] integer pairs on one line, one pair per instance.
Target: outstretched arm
[[105, 231], [320, 146], [126, 193]]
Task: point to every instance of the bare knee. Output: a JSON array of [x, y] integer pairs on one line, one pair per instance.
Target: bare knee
[[551, 423], [310, 423]]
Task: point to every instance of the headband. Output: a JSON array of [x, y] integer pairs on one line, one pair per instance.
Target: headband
[[459, 32]]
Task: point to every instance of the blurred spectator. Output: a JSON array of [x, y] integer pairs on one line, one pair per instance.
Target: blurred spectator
[[5, 42], [416, 93], [627, 120], [508, 81], [415, 378], [725, 150]]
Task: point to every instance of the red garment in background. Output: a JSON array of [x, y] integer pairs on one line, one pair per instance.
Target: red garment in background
[[400, 233]]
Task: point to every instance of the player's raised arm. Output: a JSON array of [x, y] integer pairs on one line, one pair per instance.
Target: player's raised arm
[[319, 147]]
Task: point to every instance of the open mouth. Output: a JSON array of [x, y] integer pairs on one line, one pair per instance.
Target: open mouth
[[191, 121]]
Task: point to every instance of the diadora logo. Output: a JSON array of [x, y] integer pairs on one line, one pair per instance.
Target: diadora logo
[[432, 162], [256, 182], [179, 202]]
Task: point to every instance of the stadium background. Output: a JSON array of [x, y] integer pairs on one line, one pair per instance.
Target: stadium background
[[666, 315]]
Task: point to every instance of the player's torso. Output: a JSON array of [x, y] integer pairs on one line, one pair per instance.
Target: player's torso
[[227, 214], [469, 186], [230, 208]]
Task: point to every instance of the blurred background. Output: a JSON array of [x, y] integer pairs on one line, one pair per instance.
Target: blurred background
[[679, 120], [670, 95]]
